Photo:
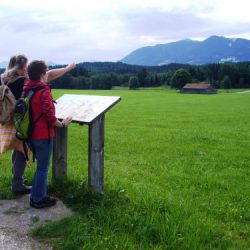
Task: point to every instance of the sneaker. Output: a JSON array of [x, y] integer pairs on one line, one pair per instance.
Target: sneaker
[[24, 190], [45, 202]]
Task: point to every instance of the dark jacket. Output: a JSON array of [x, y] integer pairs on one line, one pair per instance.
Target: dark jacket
[[16, 87]]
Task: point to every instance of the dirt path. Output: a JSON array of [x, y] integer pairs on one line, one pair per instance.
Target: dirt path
[[17, 218]]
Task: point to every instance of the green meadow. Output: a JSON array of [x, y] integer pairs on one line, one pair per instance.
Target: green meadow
[[177, 171]]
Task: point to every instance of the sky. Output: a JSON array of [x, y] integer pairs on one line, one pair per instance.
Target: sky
[[65, 31]]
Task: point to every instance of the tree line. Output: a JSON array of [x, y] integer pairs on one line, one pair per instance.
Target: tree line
[[105, 75]]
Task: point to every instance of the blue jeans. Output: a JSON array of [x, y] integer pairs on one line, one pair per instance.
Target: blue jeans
[[43, 151]]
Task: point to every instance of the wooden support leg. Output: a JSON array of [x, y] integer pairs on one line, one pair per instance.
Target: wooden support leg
[[96, 154], [59, 164]]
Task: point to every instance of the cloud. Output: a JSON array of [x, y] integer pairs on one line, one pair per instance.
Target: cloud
[[81, 30], [162, 25]]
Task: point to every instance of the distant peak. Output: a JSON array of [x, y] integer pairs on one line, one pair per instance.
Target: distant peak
[[214, 37], [185, 40]]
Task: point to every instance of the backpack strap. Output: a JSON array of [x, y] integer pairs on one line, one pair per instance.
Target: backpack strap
[[2, 83], [25, 149], [33, 91], [15, 79]]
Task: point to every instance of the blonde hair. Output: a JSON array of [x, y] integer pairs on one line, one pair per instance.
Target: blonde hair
[[15, 63]]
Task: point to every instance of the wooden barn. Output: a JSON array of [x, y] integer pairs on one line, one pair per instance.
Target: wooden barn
[[198, 88]]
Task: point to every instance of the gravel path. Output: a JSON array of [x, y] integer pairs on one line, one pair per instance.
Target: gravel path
[[17, 218]]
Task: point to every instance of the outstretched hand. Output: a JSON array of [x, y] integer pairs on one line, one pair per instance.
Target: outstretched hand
[[56, 73], [71, 66]]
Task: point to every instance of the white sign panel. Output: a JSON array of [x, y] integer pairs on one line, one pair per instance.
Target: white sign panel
[[84, 108]]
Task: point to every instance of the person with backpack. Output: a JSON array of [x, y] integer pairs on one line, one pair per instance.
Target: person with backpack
[[44, 121], [13, 79], [11, 88]]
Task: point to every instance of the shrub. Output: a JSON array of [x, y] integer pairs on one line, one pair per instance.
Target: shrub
[[133, 82]]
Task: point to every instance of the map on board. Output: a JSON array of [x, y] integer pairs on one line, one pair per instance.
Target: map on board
[[84, 108]]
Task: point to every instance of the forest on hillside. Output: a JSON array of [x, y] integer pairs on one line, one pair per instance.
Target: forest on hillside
[[105, 75]]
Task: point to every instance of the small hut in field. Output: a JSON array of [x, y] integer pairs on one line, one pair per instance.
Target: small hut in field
[[198, 88]]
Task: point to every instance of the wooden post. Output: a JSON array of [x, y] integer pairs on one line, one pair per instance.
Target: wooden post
[[59, 165], [96, 154]]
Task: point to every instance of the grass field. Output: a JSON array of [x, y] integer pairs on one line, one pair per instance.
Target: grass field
[[177, 170]]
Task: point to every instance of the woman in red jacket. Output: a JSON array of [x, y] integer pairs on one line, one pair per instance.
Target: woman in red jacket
[[42, 138]]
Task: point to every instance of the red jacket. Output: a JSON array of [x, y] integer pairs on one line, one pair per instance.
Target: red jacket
[[42, 104]]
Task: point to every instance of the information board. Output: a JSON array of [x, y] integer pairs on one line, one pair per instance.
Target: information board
[[84, 108]]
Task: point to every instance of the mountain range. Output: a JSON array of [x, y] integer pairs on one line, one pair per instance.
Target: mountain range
[[215, 49]]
